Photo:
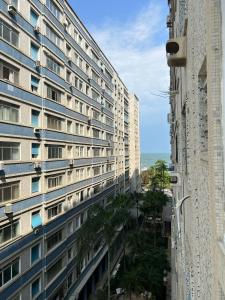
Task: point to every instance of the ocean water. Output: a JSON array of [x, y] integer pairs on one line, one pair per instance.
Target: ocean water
[[149, 159]]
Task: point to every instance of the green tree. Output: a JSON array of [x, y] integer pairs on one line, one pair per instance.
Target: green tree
[[101, 226]]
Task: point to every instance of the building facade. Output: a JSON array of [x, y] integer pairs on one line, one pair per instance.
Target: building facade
[[64, 145], [195, 54]]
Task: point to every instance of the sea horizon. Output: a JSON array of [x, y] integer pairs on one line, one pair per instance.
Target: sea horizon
[[148, 159]]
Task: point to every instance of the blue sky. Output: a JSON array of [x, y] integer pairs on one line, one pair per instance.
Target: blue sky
[[132, 34]]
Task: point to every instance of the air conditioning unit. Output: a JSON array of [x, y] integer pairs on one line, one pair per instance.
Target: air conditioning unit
[[69, 60], [65, 22], [8, 209], [37, 131], [2, 166], [12, 10], [37, 29], [71, 162], [38, 63], [176, 52], [37, 165], [169, 22]]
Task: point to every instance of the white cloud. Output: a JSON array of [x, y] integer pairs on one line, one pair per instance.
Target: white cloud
[[137, 51]]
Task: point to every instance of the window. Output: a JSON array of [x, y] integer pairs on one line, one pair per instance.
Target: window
[[95, 57], [70, 280], [81, 107], [54, 270], [70, 254], [36, 220], [14, 3], [34, 84], [53, 8], [54, 123], [96, 96], [34, 51], [54, 210], [96, 115], [97, 170], [35, 253], [53, 65], [9, 191], [9, 112], [96, 152], [9, 231], [70, 228], [97, 189], [95, 77], [108, 75], [35, 184], [53, 36], [69, 151], [35, 150], [10, 271], [9, 72], [8, 33], [69, 101], [54, 151], [33, 18], [80, 62], [54, 181], [54, 239], [35, 287], [9, 151], [68, 76], [35, 118], [69, 126], [53, 94], [69, 176], [96, 133]]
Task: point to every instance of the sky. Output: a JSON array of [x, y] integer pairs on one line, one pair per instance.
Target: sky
[[132, 34]]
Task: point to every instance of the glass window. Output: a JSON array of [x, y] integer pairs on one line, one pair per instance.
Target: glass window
[[9, 151], [35, 150], [54, 270], [33, 18], [34, 84], [34, 51], [53, 94], [35, 184], [54, 9], [35, 253], [53, 36], [9, 191], [53, 65], [54, 151], [35, 118], [36, 220], [9, 112], [9, 72], [54, 181], [54, 123], [35, 288], [8, 33], [96, 96], [54, 210], [54, 239], [9, 272], [9, 231]]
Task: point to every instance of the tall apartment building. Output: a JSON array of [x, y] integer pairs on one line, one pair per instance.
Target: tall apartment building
[[64, 145], [195, 53]]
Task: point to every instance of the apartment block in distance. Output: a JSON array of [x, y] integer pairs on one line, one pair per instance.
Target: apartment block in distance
[[195, 54], [65, 144]]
